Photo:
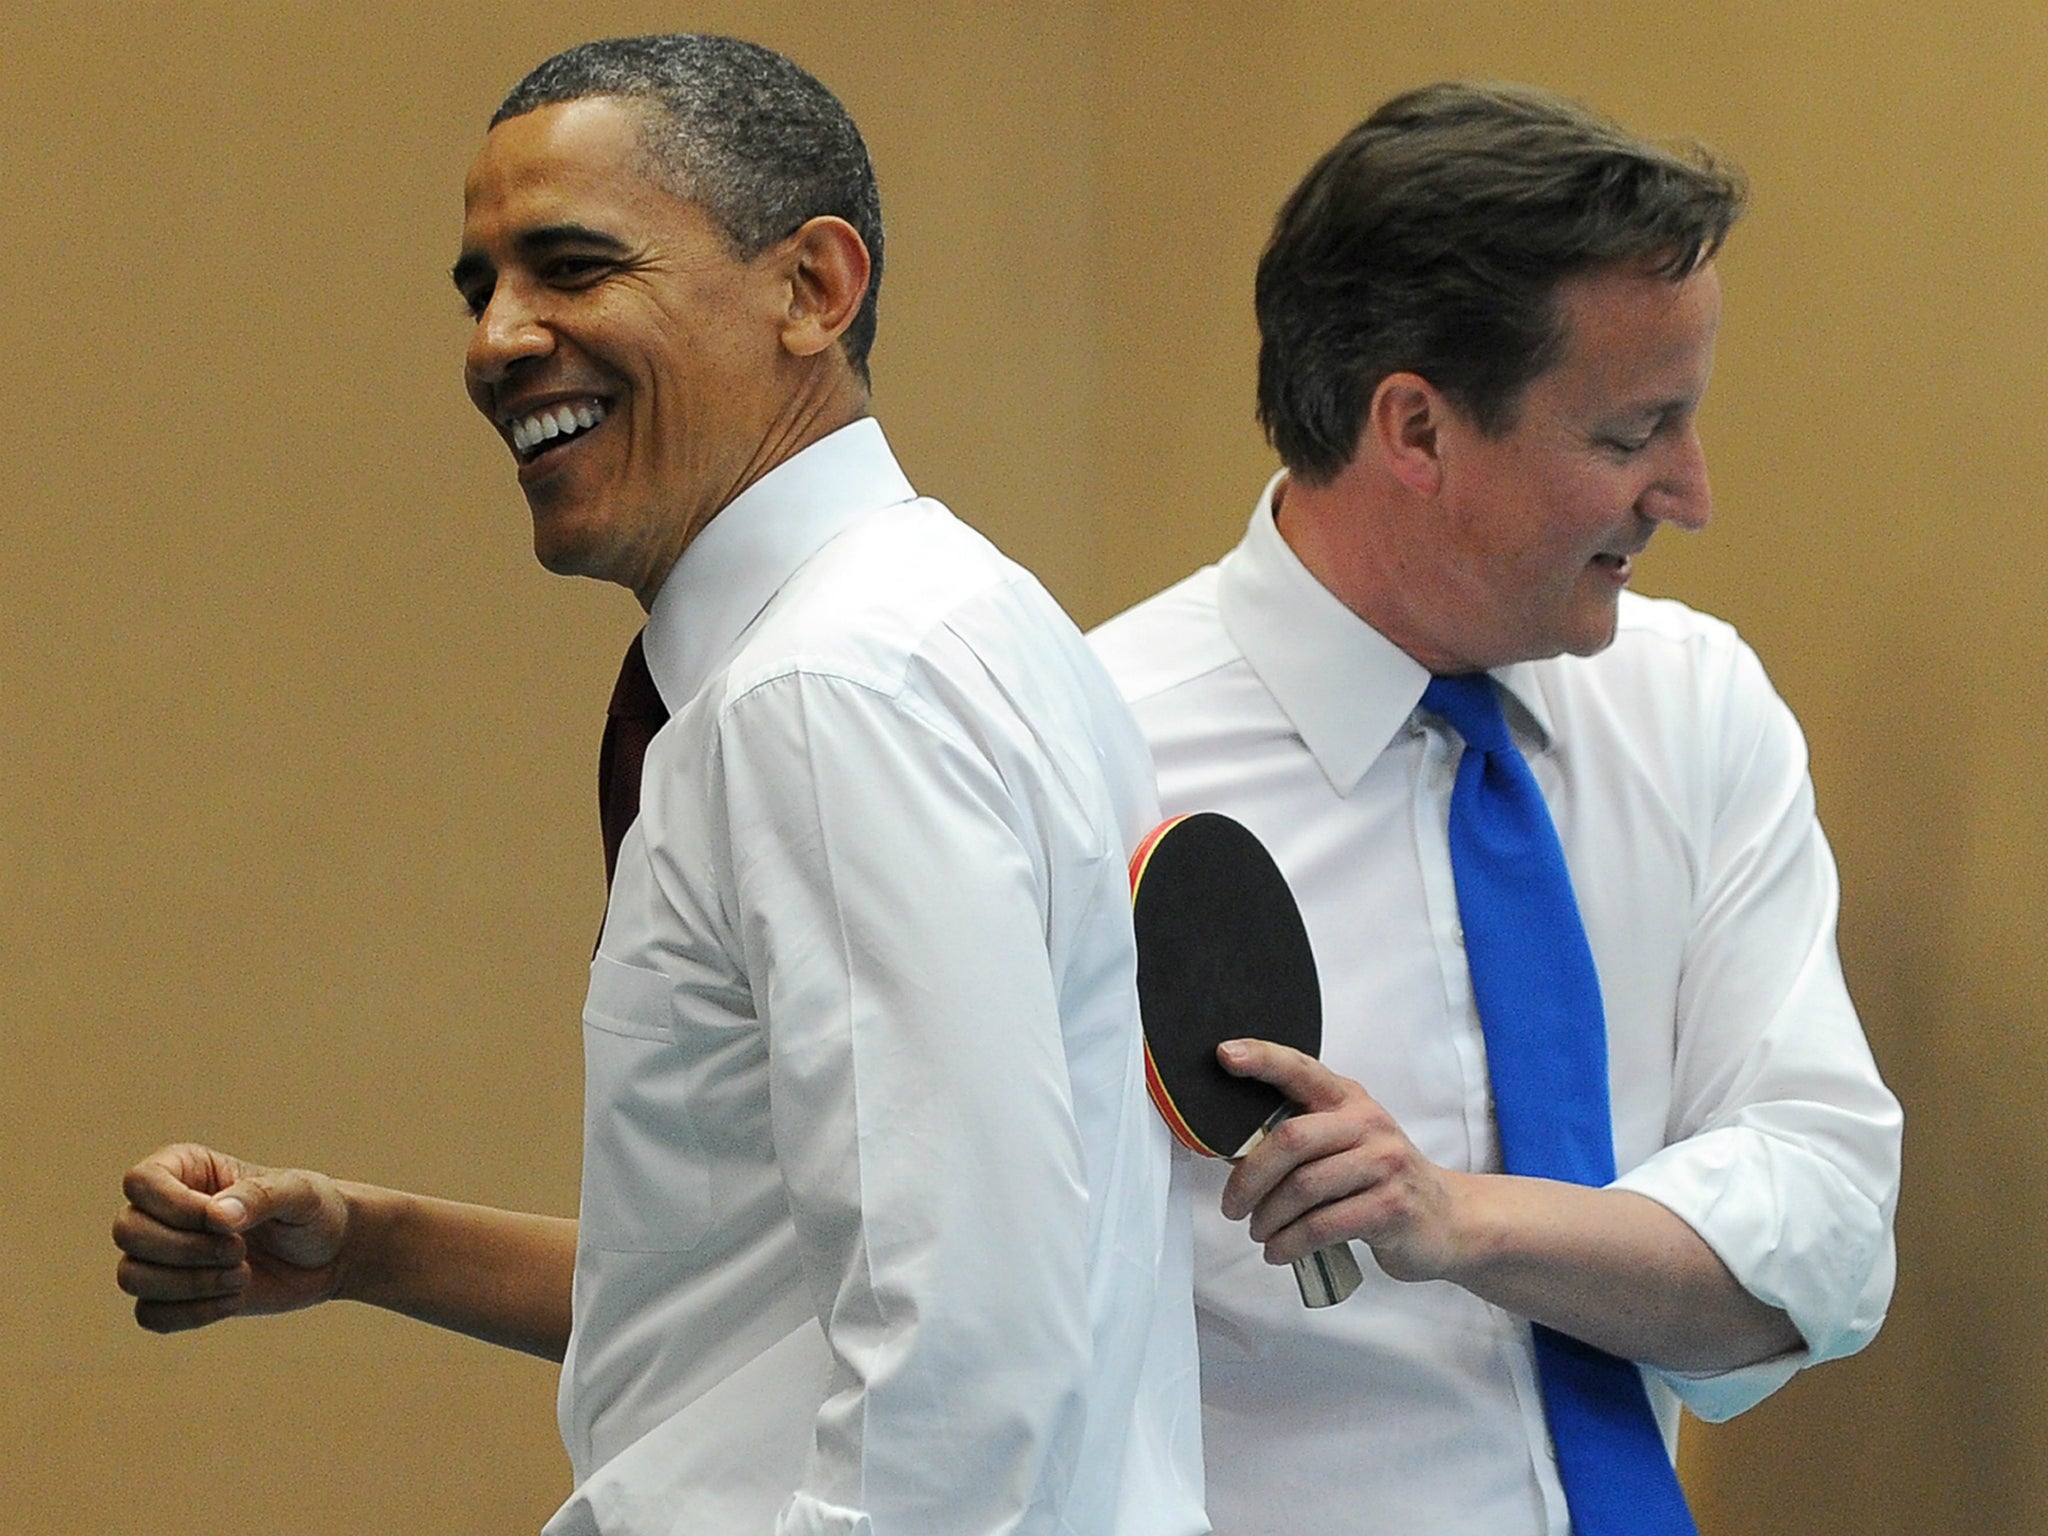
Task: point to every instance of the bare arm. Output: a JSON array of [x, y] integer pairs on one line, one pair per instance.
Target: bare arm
[[1612, 1268], [205, 1236], [500, 1276]]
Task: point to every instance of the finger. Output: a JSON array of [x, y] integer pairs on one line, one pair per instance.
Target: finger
[[1318, 1228], [175, 1184], [1315, 1187], [1331, 1166], [143, 1237], [1283, 1153], [163, 1283], [1306, 1081], [1398, 1204], [181, 1316]]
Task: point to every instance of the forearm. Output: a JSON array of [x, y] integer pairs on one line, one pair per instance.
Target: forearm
[[1609, 1267], [500, 1276]]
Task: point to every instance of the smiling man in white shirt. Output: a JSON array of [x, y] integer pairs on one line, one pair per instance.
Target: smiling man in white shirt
[[876, 1229], [1487, 320]]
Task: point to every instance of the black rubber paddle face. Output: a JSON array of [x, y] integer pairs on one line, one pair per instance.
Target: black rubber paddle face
[[1222, 955]]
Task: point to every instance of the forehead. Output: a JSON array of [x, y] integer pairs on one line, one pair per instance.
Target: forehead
[[573, 162]]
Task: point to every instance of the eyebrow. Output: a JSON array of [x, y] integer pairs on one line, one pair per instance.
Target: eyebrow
[[532, 244]]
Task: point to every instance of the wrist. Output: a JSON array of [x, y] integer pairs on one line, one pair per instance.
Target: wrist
[[372, 1218], [1483, 1227]]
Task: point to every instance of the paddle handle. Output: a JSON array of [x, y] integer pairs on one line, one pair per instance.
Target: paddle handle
[[1328, 1275]]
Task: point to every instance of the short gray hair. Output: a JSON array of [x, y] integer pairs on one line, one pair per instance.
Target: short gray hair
[[739, 130]]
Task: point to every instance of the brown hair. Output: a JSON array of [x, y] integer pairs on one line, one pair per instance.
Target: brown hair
[[1432, 239]]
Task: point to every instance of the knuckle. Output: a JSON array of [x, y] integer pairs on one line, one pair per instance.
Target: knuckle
[[1373, 1119], [1291, 1136], [1312, 1183], [1311, 1225]]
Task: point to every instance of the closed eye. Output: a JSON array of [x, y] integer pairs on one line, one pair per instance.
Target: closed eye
[[1646, 430], [474, 278], [574, 271]]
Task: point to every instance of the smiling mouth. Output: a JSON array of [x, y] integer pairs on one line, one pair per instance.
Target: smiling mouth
[[539, 433]]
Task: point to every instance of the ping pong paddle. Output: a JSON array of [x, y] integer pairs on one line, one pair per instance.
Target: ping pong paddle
[[1223, 955]]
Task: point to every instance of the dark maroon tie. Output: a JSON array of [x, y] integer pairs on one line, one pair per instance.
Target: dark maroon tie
[[635, 714]]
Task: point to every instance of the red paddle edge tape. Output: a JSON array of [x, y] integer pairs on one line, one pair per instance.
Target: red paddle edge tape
[[1170, 1112], [1162, 1099], [1144, 854]]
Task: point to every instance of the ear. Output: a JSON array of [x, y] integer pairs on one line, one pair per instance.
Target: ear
[[1402, 423], [826, 265]]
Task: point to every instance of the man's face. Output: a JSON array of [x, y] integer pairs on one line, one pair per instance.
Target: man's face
[[630, 361], [1543, 522]]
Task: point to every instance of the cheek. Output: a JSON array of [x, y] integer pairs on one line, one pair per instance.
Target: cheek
[[1588, 508]]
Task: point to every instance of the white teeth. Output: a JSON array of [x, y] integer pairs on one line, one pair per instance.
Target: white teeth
[[529, 432]]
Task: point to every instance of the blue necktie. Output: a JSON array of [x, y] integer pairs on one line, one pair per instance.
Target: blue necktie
[[1546, 1051]]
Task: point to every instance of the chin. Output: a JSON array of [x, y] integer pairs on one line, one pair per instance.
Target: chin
[[1586, 627], [570, 557], [1589, 639], [566, 544]]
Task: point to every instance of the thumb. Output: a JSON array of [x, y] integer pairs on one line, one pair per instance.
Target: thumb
[[281, 1195], [1300, 1076]]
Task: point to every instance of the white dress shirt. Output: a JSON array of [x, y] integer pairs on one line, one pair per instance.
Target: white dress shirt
[[1745, 1098], [877, 1228]]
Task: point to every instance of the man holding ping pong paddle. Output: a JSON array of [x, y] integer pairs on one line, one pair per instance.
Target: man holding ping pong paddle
[[1592, 1091]]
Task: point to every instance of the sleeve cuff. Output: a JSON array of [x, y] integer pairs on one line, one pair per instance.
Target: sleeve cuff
[[1796, 1234]]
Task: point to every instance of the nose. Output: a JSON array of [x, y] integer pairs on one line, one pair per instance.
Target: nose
[[508, 331], [1680, 495]]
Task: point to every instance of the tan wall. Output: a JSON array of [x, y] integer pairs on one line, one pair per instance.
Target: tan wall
[[296, 831]]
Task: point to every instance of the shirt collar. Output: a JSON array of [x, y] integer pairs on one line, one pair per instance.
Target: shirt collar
[[740, 559], [1347, 688]]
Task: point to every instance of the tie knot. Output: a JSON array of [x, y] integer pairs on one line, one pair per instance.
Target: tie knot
[[1469, 702]]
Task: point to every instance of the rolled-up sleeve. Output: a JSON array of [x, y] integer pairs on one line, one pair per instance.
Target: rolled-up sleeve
[[1785, 1147]]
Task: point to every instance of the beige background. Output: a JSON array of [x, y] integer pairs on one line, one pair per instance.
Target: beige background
[[297, 842]]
